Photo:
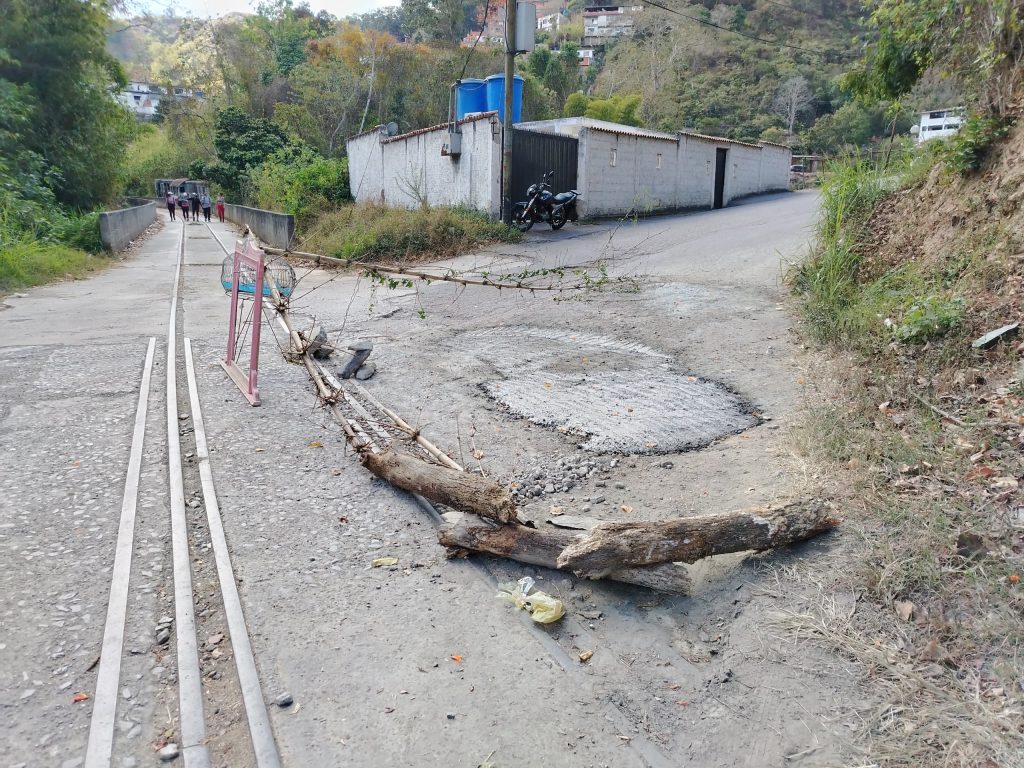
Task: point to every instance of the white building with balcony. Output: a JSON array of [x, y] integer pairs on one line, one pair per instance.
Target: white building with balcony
[[939, 124]]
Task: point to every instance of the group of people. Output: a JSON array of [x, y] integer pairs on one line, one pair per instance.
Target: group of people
[[192, 203]]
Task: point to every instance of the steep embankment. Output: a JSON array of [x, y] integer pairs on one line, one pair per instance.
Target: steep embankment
[[919, 434], [960, 227]]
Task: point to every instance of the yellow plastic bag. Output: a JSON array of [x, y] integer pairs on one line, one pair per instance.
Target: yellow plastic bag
[[543, 608]]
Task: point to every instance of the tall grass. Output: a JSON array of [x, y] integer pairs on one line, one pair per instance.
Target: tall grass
[[375, 233], [28, 262], [40, 243], [827, 280]]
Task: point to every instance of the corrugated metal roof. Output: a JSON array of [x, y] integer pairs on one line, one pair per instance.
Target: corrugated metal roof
[[388, 139], [636, 133], [774, 144], [717, 139]]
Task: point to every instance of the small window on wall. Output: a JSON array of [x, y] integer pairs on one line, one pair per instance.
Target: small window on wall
[[612, 163], [659, 160]]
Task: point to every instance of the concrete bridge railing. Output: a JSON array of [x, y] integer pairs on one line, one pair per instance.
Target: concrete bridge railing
[[274, 229], [118, 228]]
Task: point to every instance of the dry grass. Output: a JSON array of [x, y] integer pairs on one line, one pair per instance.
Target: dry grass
[[920, 438], [932, 547], [364, 232], [923, 712]]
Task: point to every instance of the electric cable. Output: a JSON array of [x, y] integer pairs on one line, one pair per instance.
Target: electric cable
[[483, 26], [766, 41]]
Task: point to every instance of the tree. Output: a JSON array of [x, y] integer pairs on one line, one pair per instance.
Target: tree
[[437, 20], [793, 99], [242, 143], [980, 46], [615, 109], [849, 126], [576, 105], [56, 55]]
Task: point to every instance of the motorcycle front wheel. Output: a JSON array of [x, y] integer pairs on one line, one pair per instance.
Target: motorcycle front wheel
[[520, 220], [558, 218]]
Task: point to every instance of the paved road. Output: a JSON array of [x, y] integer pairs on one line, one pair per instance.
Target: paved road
[[416, 664]]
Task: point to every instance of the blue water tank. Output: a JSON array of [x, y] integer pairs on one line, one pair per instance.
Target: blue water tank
[[496, 96], [470, 96]]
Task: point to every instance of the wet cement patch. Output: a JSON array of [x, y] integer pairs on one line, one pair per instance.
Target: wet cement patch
[[623, 412], [621, 396]]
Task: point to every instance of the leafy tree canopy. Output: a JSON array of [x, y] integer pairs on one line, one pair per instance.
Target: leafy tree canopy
[[57, 73]]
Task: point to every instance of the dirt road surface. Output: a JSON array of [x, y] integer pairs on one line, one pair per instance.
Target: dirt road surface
[[643, 399]]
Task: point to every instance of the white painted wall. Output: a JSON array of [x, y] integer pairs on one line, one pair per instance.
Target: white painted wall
[[406, 171]]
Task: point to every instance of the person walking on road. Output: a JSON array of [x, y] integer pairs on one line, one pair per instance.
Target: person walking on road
[[172, 203], [194, 197], [204, 201], [183, 202], [220, 208]]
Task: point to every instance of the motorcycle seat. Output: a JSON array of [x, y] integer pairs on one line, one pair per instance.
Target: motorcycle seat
[[564, 197]]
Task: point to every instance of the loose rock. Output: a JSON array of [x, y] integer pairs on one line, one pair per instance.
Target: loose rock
[[284, 700], [168, 753]]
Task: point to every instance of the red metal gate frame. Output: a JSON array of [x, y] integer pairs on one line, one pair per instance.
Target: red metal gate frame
[[248, 254]]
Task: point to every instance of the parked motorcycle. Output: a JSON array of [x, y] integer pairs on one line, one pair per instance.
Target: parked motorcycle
[[542, 205]]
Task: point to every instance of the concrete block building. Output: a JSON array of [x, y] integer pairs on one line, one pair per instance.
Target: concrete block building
[[417, 168], [618, 169]]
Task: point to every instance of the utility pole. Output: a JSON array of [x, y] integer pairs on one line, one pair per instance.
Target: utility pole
[[506, 130]]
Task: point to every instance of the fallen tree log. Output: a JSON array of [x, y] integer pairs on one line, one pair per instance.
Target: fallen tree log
[[610, 546], [537, 546], [442, 485]]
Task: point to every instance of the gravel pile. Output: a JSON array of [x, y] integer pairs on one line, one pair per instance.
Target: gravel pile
[[566, 474]]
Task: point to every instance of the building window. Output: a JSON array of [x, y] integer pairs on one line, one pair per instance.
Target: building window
[[659, 160], [613, 158]]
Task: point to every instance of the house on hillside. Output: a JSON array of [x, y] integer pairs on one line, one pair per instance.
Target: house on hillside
[[617, 169], [143, 98], [939, 124], [603, 22]]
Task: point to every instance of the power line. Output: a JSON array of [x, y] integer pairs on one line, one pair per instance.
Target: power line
[[736, 32], [483, 26]]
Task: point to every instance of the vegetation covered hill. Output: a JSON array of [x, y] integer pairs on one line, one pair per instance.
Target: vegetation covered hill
[[918, 430], [723, 79]]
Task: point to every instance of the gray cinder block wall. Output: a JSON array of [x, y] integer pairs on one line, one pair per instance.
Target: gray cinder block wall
[[118, 228], [274, 229], [621, 169]]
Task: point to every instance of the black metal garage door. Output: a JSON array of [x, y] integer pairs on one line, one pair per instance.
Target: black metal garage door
[[534, 154]]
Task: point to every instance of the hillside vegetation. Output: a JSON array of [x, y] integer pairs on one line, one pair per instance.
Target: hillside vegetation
[[918, 427], [62, 138]]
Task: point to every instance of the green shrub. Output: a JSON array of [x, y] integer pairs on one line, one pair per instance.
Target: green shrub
[[928, 318], [28, 262], [299, 182], [966, 151], [154, 155], [375, 233], [82, 232]]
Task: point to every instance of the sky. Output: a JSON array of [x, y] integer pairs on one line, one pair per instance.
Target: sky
[[207, 8]]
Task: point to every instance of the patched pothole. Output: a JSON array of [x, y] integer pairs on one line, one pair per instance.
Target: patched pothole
[[627, 412], [620, 396]]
